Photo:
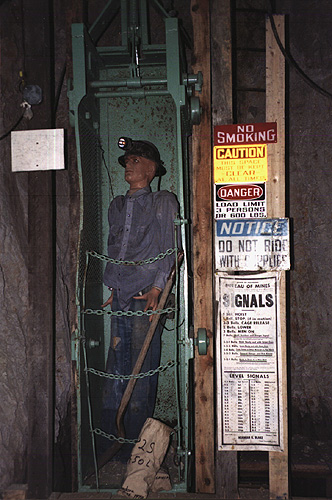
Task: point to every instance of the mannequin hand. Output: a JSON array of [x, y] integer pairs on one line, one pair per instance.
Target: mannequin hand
[[108, 301], [151, 298]]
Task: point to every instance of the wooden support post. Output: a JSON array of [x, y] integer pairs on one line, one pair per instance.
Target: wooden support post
[[222, 113], [75, 13], [40, 353], [221, 61], [202, 254], [275, 112]]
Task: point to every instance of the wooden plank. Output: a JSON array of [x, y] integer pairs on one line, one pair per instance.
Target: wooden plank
[[222, 113], [202, 255], [221, 61], [40, 353], [75, 13], [275, 111]]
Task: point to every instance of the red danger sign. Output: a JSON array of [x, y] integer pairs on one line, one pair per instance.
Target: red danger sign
[[240, 192], [240, 201], [246, 133]]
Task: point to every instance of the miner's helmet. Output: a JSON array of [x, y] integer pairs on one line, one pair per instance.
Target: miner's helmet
[[141, 148]]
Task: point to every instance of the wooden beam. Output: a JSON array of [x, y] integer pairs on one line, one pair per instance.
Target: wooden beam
[[40, 353], [202, 254], [275, 111], [226, 471], [221, 63], [76, 12]]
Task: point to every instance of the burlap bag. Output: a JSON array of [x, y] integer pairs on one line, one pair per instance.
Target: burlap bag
[[145, 461], [162, 482]]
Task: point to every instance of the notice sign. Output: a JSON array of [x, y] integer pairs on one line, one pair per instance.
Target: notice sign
[[240, 200], [248, 363], [252, 245]]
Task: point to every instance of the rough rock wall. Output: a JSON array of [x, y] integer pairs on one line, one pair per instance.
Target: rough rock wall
[[13, 255], [310, 183], [13, 262]]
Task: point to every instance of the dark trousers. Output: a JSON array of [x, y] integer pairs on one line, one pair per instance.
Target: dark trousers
[[127, 337]]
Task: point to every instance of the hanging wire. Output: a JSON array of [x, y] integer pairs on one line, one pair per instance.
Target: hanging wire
[[290, 59], [6, 134], [59, 88], [176, 349], [93, 443], [106, 166]]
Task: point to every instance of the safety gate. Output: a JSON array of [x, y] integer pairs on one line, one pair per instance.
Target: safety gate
[[140, 90]]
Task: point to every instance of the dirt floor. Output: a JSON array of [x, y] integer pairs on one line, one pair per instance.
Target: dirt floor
[[244, 493], [310, 478], [310, 465]]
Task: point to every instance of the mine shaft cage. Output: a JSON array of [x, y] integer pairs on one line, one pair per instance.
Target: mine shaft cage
[[139, 90]]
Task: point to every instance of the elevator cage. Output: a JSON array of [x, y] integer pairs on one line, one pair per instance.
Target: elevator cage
[[139, 90]]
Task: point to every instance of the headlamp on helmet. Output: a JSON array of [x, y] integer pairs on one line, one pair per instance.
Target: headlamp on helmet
[[141, 148]]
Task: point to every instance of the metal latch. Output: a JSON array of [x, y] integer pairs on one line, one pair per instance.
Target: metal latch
[[93, 343]]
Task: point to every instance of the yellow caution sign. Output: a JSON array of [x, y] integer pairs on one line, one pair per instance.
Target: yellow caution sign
[[247, 163]]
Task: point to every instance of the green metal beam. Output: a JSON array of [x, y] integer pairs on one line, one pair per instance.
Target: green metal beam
[[104, 20]]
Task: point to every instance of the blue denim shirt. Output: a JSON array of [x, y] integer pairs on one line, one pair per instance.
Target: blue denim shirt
[[141, 226]]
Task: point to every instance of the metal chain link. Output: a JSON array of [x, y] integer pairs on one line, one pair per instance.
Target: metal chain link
[[111, 437], [114, 376], [150, 260], [100, 312]]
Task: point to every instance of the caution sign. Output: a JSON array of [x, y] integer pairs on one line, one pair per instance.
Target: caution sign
[[249, 400], [246, 163], [240, 200], [252, 245]]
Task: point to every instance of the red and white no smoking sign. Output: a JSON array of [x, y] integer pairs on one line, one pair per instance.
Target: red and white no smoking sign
[[245, 134], [240, 169]]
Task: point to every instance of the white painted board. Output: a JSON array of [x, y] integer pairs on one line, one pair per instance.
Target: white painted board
[[37, 150]]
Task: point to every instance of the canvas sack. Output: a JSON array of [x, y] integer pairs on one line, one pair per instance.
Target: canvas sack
[[145, 461]]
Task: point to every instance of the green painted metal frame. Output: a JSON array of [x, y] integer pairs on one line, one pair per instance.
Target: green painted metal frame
[[101, 76]]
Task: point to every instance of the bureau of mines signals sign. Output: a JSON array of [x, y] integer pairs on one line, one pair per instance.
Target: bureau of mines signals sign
[[248, 356], [240, 152]]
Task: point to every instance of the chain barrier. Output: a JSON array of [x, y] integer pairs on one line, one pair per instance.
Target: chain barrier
[[111, 437], [114, 376], [101, 312], [120, 262]]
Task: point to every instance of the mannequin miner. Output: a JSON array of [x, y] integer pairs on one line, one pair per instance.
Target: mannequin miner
[[141, 226]]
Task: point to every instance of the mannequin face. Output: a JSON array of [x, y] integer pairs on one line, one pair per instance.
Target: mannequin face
[[139, 171]]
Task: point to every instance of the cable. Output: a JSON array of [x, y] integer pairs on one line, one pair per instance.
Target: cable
[[59, 88], [289, 58], [13, 127], [105, 165]]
